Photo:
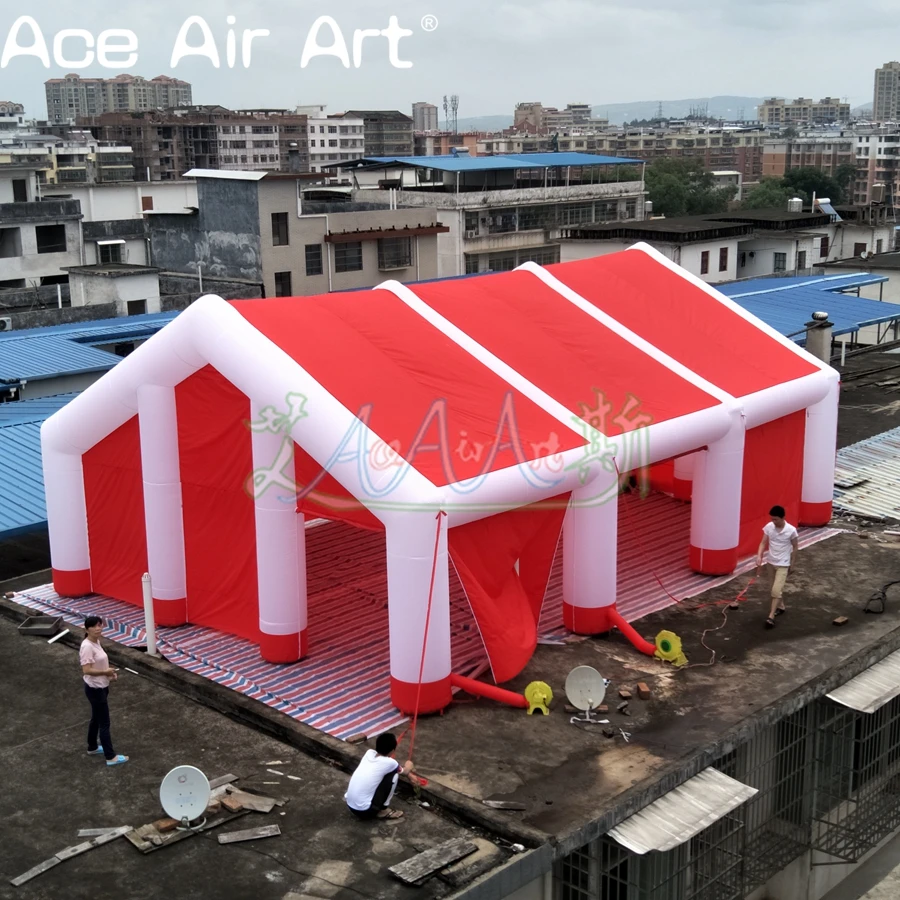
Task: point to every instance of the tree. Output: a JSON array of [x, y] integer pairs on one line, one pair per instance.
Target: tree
[[808, 181], [845, 176], [682, 187], [790, 133], [768, 194]]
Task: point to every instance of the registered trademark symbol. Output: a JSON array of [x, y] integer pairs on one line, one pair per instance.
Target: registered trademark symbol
[[429, 23]]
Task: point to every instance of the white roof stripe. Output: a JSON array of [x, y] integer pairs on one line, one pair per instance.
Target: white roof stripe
[[677, 368]]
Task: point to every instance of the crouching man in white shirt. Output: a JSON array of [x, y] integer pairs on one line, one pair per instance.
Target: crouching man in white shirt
[[372, 785], [781, 539]]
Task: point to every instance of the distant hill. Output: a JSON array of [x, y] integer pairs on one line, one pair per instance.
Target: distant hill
[[860, 112], [722, 107], [483, 123]]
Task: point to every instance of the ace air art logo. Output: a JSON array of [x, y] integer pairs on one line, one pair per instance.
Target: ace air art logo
[[119, 48]]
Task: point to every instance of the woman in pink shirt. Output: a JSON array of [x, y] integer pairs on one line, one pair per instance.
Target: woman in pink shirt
[[97, 676]]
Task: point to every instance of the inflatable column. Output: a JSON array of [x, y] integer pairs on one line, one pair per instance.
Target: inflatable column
[[819, 447], [161, 475], [590, 535], [716, 503], [683, 480], [410, 560], [280, 547], [66, 514]]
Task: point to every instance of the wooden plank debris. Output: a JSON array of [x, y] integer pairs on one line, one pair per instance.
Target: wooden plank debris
[[250, 834], [419, 867], [504, 804], [147, 838], [96, 832], [221, 781], [256, 802], [69, 852]]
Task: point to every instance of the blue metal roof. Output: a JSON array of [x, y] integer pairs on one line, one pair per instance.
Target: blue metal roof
[[487, 163], [22, 504], [786, 304], [36, 353]]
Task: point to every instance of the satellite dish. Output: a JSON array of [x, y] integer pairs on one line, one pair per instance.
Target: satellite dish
[[585, 688], [184, 795], [864, 254]]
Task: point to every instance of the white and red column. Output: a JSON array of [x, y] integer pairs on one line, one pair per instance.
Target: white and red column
[[590, 536], [161, 473], [683, 477], [716, 503], [66, 513], [280, 551], [819, 450], [416, 547]]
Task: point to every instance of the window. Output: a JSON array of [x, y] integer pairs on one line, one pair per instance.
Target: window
[[801, 259], [723, 259], [282, 284], [779, 262], [859, 249], [743, 260], [394, 253], [704, 262], [10, 242], [332, 143], [879, 245], [823, 247], [332, 129], [136, 307], [50, 238], [20, 190], [279, 229], [348, 257], [313, 259], [109, 253]]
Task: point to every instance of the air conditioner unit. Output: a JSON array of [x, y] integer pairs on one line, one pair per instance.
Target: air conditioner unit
[[473, 233], [5, 324]]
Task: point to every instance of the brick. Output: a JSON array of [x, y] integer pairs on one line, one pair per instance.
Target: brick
[[602, 709], [356, 739], [231, 804], [624, 693], [841, 620], [643, 691], [164, 825], [623, 706]]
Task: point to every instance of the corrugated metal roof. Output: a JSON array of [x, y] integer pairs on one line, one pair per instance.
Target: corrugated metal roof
[[35, 358], [842, 282], [22, 504], [35, 410], [870, 690], [35, 353], [867, 477], [682, 813], [485, 163], [787, 304]]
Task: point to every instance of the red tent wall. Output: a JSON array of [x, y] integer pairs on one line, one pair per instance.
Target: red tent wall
[[507, 605], [216, 455], [773, 475], [114, 495]]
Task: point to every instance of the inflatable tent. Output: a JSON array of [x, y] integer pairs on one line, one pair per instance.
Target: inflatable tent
[[470, 420]]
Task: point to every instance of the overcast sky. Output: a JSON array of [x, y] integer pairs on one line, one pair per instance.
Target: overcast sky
[[492, 53]]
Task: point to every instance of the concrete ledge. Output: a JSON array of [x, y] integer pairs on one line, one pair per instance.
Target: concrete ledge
[[248, 711]]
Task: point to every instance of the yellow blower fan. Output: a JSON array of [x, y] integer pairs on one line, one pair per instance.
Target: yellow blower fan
[[539, 696], [668, 648]]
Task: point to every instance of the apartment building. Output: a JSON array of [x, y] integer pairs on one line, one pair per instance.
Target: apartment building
[[743, 244], [425, 117], [548, 119], [12, 117], [443, 143], [886, 100], [166, 144], [73, 96], [334, 139], [779, 113], [502, 211], [292, 236], [38, 238], [878, 167], [827, 152], [388, 132]]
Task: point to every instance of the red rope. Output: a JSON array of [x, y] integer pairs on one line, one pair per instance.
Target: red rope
[[437, 541]]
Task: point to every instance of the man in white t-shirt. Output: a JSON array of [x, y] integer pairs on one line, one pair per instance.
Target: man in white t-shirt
[[781, 540], [372, 785]]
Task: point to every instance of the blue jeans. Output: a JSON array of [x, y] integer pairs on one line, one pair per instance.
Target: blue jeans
[[99, 726]]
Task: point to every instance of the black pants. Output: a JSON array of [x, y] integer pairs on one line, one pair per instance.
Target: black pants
[[382, 792], [99, 726]]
